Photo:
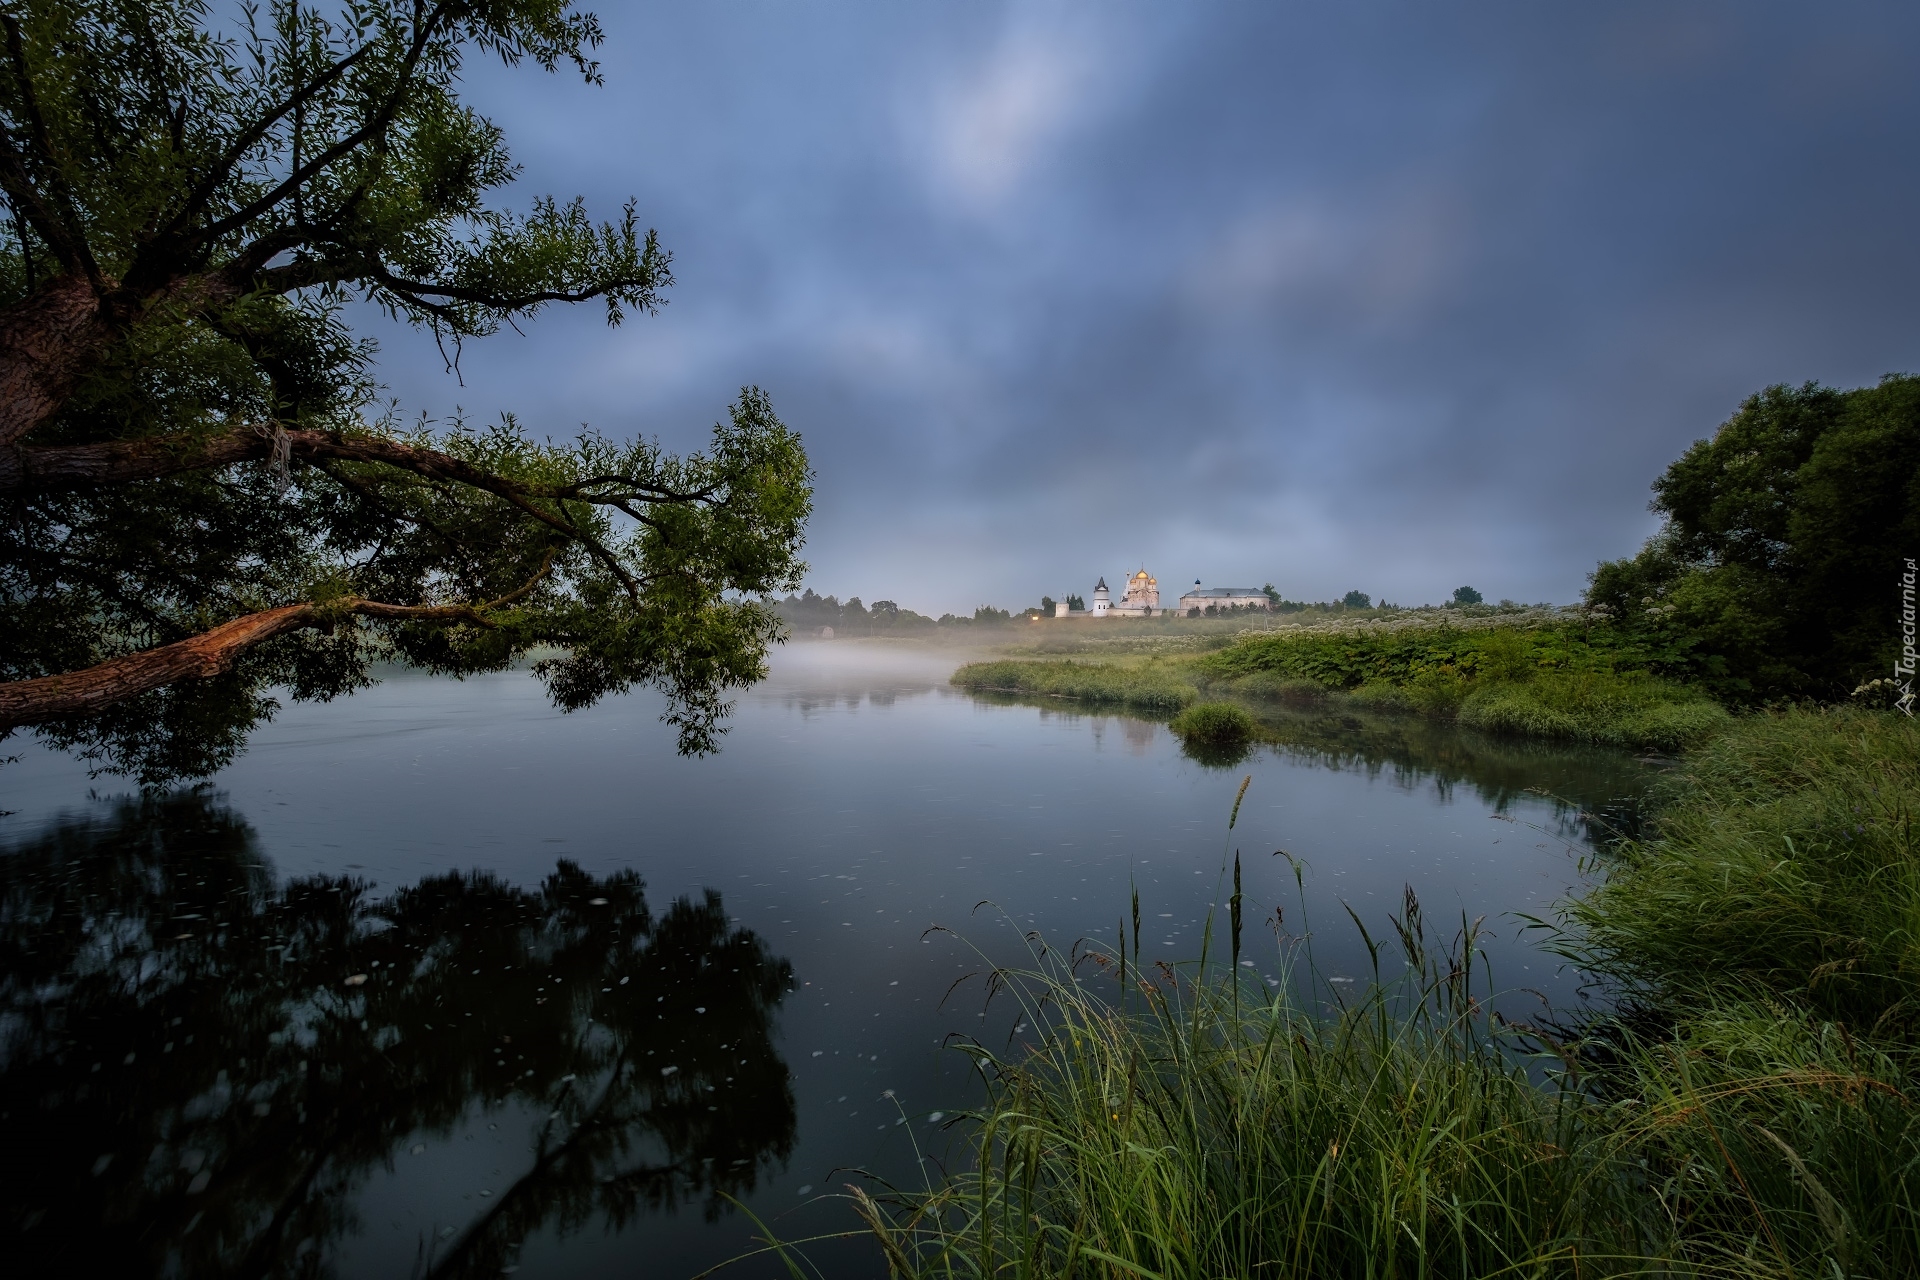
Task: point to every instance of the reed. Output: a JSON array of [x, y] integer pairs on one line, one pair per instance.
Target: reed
[[1180, 1123]]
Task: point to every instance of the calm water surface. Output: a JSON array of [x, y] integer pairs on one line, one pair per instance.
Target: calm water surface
[[437, 981]]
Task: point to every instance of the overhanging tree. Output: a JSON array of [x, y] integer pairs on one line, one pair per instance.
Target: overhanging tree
[[203, 500], [1778, 567]]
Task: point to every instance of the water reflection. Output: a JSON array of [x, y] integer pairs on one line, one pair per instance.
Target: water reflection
[[1597, 792], [203, 1070]]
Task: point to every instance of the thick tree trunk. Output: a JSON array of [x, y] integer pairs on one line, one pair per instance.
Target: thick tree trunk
[[89, 692], [47, 342], [41, 468]]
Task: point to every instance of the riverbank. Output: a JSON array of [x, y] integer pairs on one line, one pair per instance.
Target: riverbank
[[1746, 1108], [1546, 677]]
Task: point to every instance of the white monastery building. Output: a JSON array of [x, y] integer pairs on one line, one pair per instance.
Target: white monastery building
[[1222, 598], [1141, 599]]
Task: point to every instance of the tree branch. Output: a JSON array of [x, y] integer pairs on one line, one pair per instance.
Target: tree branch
[[94, 689], [32, 206], [420, 290], [76, 245], [237, 149], [377, 124], [47, 468]]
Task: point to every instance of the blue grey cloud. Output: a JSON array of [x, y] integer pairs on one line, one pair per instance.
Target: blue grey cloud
[[1392, 296]]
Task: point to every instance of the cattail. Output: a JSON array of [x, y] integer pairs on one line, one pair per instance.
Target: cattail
[[1233, 909]]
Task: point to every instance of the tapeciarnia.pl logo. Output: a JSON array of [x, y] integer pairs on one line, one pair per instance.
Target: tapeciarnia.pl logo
[[1903, 667]]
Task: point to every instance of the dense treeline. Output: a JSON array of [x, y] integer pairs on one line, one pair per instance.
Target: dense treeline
[[1778, 569], [808, 612]]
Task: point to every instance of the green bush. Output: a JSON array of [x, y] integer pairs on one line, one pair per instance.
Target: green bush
[[1382, 695], [1548, 682], [1217, 724], [1786, 533]]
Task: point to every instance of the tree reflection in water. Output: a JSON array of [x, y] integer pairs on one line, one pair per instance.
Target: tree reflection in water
[[197, 1079]]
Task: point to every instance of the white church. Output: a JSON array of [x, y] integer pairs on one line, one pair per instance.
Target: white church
[[1140, 600]]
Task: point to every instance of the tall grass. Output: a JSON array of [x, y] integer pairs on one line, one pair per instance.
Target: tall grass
[[1785, 857], [1749, 1110], [1185, 1124]]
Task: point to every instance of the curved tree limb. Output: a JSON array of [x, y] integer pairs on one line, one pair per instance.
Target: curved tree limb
[[90, 691], [94, 689]]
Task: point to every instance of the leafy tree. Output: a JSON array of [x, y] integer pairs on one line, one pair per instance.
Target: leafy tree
[[1466, 595], [1357, 600], [203, 497], [1046, 606], [1785, 535], [1273, 596]]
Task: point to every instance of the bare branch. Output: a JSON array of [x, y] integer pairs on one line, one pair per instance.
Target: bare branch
[[33, 207], [420, 291]]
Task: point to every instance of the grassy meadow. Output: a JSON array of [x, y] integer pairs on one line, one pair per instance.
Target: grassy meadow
[[1749, 1106]]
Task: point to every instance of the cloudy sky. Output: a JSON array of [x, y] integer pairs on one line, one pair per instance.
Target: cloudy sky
[[1382, 296]]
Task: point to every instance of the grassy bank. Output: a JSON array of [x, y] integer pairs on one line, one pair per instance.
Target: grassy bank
[[1787, 862], [1151, 687], [1543, 678], [1562, 681], [1751, 1110]]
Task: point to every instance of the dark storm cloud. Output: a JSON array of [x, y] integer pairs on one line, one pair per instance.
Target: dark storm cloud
[[1389, 296]]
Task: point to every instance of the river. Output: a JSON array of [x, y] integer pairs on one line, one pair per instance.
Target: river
[[435, 980]]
